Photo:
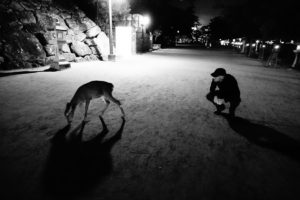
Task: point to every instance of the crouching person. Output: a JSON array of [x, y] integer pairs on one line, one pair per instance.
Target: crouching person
[[224, 88]]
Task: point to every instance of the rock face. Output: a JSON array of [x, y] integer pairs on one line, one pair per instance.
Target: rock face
[[28, 35], [81, 49]]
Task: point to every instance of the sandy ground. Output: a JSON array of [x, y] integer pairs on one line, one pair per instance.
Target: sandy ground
[[172, 145]]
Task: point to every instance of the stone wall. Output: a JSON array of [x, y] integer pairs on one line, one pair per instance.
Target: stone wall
[[27, 34]]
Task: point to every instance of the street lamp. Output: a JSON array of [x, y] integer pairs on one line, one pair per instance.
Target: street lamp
[[145, 21], [111, 55]]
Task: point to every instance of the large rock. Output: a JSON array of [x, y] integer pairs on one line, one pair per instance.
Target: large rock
[[21, 47], [80, 49], [49, 60], [65, 48], [89, 42], [27, 18], [28, 6], [88, 23], [90, 58], [79, 36], [79, 59], [45, 21], [76, 25], [33, 28], [102, 45], [93, 32], [66, 15], [28, 36], [16, 6], [94, 50], [50, 50], [69, 56]]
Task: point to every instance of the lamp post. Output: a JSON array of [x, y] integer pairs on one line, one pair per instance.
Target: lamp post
[[273, 58], [296, 60], [262, 51], [111, 55], [145, 21]]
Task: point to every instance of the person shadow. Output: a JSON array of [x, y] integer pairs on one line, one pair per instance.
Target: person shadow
[[75, 167], [265, 136]]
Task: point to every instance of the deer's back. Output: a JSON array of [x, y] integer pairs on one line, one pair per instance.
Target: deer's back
[[91, 90]]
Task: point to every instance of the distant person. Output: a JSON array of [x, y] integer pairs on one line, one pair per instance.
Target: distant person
[[224, 88]]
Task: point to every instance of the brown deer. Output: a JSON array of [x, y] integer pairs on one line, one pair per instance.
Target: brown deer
[[89, 91]]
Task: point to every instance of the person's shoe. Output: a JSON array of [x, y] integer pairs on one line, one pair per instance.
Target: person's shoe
[[220, 108], [217, 112]]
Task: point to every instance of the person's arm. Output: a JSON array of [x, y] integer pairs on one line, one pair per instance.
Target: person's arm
[[213, 86]]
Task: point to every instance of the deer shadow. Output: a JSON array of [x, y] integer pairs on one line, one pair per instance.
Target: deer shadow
[[265, 136], [74, 166]]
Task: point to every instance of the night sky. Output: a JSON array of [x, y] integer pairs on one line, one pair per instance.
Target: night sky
[[204, 9], [207, 9]]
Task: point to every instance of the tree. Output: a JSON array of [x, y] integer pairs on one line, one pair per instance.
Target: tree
[[168, 16]]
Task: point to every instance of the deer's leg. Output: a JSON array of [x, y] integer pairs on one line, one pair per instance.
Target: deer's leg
[[105, 130], [107, 102], [87, 103], [116, 101]]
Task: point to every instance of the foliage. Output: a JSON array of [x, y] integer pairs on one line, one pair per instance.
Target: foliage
[[167, 16]]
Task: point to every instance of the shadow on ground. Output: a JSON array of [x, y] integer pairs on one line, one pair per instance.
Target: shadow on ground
[[265, 136], [17, 73], [75, 166], [20, 72]]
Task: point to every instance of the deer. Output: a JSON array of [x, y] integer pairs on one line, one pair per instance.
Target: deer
[[91, 90]]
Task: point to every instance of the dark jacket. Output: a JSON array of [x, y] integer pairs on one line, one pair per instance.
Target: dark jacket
[[228, 88]]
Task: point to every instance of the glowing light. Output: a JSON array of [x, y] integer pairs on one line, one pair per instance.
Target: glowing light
[[247, 45], [257, 41], [253, 45], [225, 42], [277, 46], [123, 40], [146, 20], [264, 46], [298, 47]]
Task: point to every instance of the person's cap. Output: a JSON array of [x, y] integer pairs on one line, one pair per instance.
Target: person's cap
[[218, 72]]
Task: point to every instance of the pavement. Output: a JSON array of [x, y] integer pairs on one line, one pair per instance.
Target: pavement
[[171, 145]]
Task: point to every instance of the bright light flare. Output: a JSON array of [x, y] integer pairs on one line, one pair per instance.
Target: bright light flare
[[298, 47], [146, 20], [277, 46], [123, 41]]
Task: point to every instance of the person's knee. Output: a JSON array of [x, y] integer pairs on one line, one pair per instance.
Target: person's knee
[[210, 97]]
